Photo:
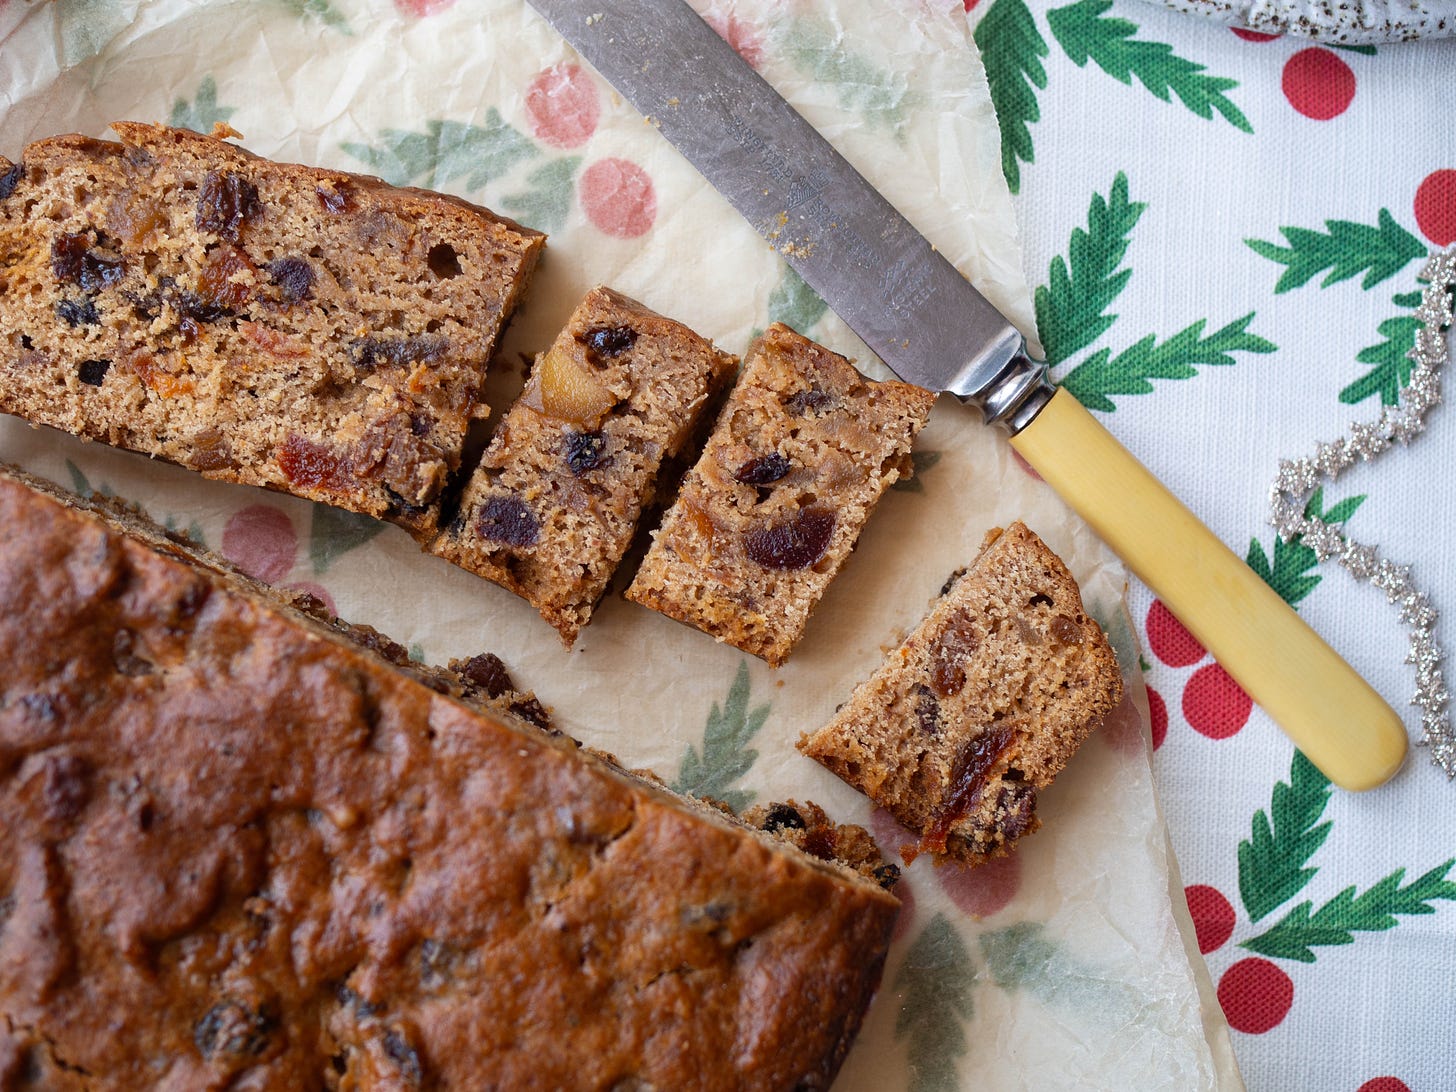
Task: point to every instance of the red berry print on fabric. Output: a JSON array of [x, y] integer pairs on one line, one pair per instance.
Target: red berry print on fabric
[[1436, 207], [563, 106], [261, 541], [1213, 916], [1214, 705], [1026, 467], [1158, 715], [1384, 1084], [906, 894], [1318, 84], [418, 9], [1122, 730], [619, 198], [742, 37], [1255, 996], [984, 890], [1253, 35], [1170, 641]]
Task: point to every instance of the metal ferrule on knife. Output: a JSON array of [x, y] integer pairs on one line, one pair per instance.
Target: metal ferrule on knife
[[931, 327]]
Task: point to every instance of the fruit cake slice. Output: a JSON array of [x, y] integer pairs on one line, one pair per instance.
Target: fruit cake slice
[[245, 850], [555, 501], [307, 330], [982, 705], [800, 455]]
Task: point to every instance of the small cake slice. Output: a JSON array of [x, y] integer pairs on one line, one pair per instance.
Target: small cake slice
[[981, 707], [799, 456], [555, 501], [307, 330]]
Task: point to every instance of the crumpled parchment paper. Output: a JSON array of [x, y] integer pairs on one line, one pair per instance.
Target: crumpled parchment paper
[[1061, 967]]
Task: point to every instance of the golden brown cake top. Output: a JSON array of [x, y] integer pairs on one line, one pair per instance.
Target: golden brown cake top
[[244, 852]]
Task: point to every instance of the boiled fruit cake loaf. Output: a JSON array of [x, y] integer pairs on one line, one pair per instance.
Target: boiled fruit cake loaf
[[307, 330], [245, 850], [556, 499], [798, 458], [981, 706]]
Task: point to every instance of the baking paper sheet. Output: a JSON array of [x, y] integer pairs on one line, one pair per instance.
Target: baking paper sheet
[[1061, 967]]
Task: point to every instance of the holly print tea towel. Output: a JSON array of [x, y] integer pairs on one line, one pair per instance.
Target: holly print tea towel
[[1063, 966], [1229, 237]]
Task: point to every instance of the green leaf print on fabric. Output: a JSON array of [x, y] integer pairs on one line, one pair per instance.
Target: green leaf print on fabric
[[547, 203], [1071, 307], [446, 151], [1391, 358], [936, 980], [1272, 862], [86, 27], [319, 10], [726, 754], [1012, 50], [335, 532], [794, 303], [1293, 570], [920, 462], [1085, 34], [1345, 248], [1132, 370], [1020, 957], [202, 112], [881, 97], [1336, 922]]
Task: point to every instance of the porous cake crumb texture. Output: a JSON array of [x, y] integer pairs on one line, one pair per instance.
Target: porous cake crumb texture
[[555, 502], [981, 707], [306, 330], [797, 461]]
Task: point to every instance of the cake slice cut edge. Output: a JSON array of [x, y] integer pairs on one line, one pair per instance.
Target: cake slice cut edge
[[588, 447], [304, 329], [764, 521], [981, 706]]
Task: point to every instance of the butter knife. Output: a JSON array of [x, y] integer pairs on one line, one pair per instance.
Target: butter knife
[[932, 328]]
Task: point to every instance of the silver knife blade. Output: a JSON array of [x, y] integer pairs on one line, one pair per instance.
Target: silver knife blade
[[912, 307]]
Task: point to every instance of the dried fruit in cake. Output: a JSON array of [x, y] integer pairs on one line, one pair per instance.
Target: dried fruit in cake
[[249, 848], [796, 463], [260, 322], [981, 707], [556, 499]]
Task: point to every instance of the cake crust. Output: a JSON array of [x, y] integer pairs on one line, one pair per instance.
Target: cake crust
[[981, 706], [244, 851]]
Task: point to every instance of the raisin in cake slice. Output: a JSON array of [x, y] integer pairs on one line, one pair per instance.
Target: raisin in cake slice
[[307, 330], [245, 849], [800, 455], [555, 501], [981, 707]]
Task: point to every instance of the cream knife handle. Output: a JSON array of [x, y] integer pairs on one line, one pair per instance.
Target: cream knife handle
[[1333, 716]]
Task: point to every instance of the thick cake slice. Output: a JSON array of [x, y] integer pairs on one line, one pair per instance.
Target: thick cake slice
[[307, 330], [981, 707], [243, 850], [556, 499], [799, 457]]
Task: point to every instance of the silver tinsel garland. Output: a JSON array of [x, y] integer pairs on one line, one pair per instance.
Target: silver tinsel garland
[[1399, 423]]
